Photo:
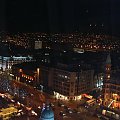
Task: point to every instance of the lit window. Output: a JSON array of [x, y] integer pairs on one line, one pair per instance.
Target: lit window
[[108, 76], [65, 76], [20, 70]]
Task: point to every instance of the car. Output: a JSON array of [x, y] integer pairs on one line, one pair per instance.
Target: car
[[65, 116], [20, 110], [39, 107], [51, 104], [33, 113], [62, 105], [70, 111], [18, 114], [31, 94], [22, 113], [61, 112], [78, 112], [86, 106]]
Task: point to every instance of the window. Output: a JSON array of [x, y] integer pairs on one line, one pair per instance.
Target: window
[[66, 76], [72, 90]]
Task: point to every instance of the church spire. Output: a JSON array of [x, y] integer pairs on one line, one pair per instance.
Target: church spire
[[108, 60]]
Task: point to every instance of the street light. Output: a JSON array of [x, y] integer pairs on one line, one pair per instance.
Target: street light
[[78, 79]]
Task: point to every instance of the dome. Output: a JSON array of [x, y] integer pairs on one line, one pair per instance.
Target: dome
[[47, 114]]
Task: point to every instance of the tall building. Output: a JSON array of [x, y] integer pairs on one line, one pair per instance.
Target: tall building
[[111, 86], [107, 80], [115, 89], [70, 83]]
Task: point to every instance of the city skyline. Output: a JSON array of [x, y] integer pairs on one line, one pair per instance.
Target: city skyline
[[60, 59]]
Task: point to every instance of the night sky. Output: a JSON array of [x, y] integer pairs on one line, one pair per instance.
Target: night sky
[[61, 15]]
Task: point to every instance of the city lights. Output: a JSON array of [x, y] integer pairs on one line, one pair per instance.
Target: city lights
[[60, 60]]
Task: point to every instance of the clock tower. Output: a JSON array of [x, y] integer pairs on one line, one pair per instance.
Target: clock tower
[[106, 82]]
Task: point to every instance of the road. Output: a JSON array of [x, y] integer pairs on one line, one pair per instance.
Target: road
[[36, 98], [35, 101]]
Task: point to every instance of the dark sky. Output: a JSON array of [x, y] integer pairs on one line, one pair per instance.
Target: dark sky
[[61, 15]]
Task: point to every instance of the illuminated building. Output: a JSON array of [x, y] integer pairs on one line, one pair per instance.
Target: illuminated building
[[99, 80], [26, 72], [16, 60], [68, 77], [7, 112], [7, 62], [111, 86], [66, 81], [107, 79], [70, 82]]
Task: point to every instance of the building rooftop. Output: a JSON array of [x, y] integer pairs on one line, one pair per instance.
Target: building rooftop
[[71, 61], [28, 65]]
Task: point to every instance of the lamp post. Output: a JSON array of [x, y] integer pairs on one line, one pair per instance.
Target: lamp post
[[78, 79], [38, 75]]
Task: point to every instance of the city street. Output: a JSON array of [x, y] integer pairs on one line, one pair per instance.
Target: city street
[[35, 99]]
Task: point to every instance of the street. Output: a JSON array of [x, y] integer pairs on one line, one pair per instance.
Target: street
[[35, 98]]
